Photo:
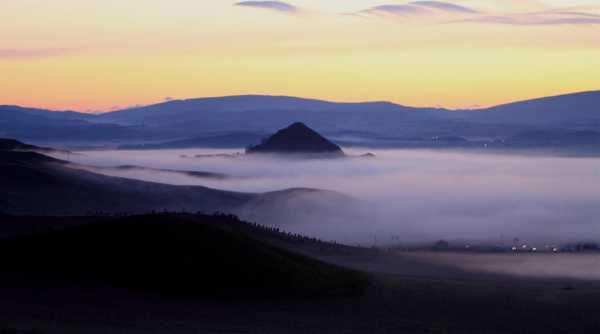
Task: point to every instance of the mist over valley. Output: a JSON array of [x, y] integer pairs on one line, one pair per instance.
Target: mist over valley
[[413, 195]]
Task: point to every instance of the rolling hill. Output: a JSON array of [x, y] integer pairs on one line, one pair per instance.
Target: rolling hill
[[570, 110], [36, 184]]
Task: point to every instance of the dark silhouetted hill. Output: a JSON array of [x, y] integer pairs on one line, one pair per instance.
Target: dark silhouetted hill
[[296, 138], [7, 144], [173, 254]]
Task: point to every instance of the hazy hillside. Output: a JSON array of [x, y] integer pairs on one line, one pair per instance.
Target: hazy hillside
[[573, 110], [45, 126], [230, 140], [35, 184], [52, 114]]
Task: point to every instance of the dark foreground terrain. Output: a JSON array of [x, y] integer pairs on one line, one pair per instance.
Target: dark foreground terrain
[[179, 273]]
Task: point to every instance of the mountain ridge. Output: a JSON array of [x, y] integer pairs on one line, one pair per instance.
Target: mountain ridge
[[208, 117], [249, 103], [297, 98]]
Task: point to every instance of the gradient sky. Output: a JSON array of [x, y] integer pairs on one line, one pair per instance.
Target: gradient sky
[[93, 55]]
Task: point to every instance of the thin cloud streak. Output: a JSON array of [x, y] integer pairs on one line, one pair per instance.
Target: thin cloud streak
[[445, 6], [31, 53], [444, 12], [420, 8], [270, 5], [398, 10], [540, 18]]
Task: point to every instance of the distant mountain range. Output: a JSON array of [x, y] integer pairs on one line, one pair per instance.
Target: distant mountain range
[[218, 121], [193, 109]]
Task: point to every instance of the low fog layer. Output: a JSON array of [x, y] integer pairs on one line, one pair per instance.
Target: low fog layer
[[564, 266], [406, 195]]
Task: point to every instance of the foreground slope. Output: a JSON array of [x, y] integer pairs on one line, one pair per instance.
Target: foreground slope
[[107, 277], [182, 254]]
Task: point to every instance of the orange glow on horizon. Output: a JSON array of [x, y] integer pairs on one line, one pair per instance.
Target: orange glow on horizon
[[97, 56]]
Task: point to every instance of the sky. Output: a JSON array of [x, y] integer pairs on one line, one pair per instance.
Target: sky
[[92, 55]]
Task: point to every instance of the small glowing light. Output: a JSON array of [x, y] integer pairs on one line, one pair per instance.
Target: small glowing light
[[534, 249], [514, 248], [555, 249], [524, 246]]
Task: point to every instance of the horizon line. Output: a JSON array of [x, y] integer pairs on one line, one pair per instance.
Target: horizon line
[[88, 112]]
